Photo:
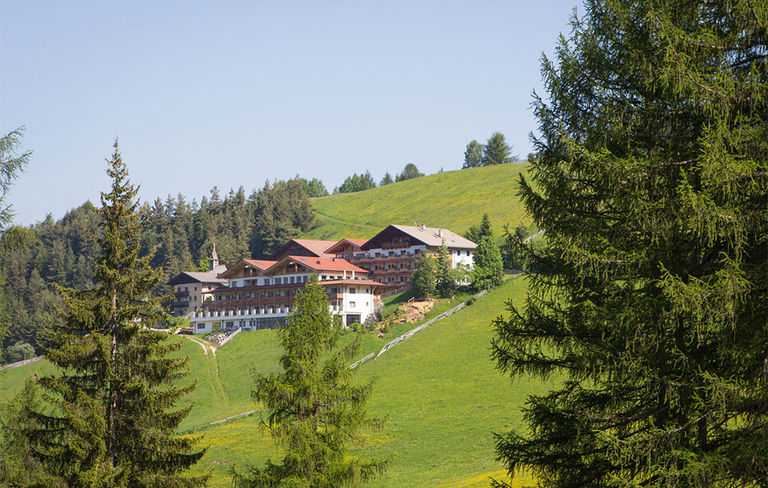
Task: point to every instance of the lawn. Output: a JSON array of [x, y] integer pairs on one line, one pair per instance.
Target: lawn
[[453, 200], [442, 397]]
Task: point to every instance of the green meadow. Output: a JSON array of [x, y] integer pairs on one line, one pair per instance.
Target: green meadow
[[453, 200], [439, 394]]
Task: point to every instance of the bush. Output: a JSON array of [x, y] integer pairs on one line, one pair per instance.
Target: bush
[[19, 352]]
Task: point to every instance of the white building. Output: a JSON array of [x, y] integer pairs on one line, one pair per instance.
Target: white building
[[261, 293]]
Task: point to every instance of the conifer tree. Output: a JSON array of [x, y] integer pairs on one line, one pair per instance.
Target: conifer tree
[[445, 277], [650, 301], [488, 270], [423, 277], [386, 180], [496, 150], [113, 419], [314, 409]]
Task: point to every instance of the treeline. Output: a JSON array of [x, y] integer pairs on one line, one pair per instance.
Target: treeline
[[179, 232]]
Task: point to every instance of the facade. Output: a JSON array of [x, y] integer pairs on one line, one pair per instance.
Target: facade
[[261, 293], [192, 288], [391, 255]]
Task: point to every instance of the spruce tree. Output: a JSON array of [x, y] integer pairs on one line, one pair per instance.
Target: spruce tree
[[423, 277], [496, 150], [113, 418], [386, 180], [488, 269], [650, 301], [445, 277], [314, 409]]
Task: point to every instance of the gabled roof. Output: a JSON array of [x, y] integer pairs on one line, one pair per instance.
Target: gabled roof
[[322, 264], [314, 246], [430, 236], [199, 276], [355, 242], [353, 282], [260, 264]]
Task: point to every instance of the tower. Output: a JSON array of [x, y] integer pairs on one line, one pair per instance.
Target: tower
[[214, 258]]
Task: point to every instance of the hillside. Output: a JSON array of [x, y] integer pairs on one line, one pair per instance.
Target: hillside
[[439, 391], [453, 199], [442, 398]]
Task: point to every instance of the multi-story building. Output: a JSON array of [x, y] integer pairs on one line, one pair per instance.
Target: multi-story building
[[391, 254], [193, 288], [261, 293]]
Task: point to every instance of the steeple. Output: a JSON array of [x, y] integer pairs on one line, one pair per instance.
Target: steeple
[[214, 258]]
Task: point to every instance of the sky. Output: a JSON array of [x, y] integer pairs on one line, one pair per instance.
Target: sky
[[231, 94]]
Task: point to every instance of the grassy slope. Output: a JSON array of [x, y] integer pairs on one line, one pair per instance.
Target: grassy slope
[[443, 399], [454, 200]]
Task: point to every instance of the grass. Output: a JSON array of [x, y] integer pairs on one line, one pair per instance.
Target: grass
[[453, 200], [443, 399], [439, 390]]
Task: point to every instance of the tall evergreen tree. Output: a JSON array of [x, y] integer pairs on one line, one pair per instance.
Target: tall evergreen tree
[[314, 409], [423, 278], [473, 155], [386, 180], [11, 164], [650, 300], [496, 150], [476, 232], [113, 420], [445, 277], [488, 270]]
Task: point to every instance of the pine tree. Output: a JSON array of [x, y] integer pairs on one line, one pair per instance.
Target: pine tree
[[476, 233], [423, 277], [386, 180], [488, 270], [473, 155], [113, 418], [445, 277], [650, 302], [496, 150], [314, 410]]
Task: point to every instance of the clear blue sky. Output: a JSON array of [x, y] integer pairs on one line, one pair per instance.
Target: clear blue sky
[[237, 93]]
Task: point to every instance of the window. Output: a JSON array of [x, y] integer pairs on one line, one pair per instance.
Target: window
[[351, 304], [278, 281], [352, 290], [293, 279], [266, 281], [201, 326]]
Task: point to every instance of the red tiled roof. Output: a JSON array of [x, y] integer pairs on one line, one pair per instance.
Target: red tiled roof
[[326, 264], [352, 282], [316, 246], [354, 242], [262, 264]]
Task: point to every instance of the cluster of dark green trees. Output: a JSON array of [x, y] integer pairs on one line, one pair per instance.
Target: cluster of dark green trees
[[436, 276], [649, 306], [495, 151], [365, 181], [179, 235]]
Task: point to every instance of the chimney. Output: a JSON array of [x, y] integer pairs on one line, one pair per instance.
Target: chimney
[[423, 227], [439, 232]]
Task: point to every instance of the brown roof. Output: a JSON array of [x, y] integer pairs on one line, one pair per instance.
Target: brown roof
[[314, 246], [352, 282]]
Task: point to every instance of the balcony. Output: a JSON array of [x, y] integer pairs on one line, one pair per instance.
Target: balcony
[[182, 293], [179, 304]]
